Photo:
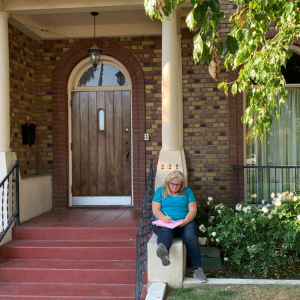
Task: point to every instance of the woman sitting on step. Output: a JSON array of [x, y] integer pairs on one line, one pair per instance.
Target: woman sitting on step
[[175, 201]]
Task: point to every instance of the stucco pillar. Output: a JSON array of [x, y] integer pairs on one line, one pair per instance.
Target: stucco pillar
[[4, 80], [171, 156]]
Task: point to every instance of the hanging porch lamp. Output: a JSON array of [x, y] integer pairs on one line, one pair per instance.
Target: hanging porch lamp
[[95, 52]]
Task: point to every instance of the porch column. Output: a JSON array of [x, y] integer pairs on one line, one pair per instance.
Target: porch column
[[171, 156], [4, 80], [7, 158]]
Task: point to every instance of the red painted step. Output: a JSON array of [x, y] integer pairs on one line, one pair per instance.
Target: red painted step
[[67, 291], [91, 250], [68, 271], [50, 232], [69, 261]]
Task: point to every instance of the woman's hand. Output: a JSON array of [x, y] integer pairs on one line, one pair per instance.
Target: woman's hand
[[183, 223], [156, 208], [167, 219]]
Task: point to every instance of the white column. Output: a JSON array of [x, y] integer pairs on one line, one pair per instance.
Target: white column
[[170, 107], [171, 156], [4, 80]]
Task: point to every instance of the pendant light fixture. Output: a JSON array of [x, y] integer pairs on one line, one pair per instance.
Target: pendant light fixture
[[95, 52]]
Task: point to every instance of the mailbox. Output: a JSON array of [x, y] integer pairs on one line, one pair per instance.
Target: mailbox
[[28, 134]]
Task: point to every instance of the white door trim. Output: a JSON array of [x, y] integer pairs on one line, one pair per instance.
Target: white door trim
[[109, 200]]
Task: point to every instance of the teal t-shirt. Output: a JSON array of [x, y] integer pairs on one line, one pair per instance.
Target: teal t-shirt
[[175, 207]]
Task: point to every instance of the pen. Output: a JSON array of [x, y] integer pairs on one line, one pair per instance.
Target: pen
[[166, 214]]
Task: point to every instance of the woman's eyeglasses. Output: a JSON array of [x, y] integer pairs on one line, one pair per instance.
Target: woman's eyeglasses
[[175, 184]]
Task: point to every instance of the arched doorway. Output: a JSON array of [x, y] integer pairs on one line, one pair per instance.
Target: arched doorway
[[100, 134]]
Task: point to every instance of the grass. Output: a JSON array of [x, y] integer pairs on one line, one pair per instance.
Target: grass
[[239, 292]]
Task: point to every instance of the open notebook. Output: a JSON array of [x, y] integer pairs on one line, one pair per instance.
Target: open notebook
[[171, 225]]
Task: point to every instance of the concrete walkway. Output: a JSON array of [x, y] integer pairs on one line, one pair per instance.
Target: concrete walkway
[[157, 290]]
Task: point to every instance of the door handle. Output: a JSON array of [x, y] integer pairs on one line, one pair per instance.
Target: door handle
[[127, 155]]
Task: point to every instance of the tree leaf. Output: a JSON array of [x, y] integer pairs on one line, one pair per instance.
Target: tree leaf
[[232, 44], [198, 47], [289, 7], [214, 5], [234, 89], [190, 21], [195, 2], [199, 13]]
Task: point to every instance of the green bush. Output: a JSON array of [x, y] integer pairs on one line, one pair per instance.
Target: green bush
[[258, 239]]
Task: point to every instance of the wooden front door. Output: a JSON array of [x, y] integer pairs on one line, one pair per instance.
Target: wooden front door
[[101, 148]]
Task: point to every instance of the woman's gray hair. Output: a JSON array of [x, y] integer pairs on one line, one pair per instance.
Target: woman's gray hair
[[166, 186]]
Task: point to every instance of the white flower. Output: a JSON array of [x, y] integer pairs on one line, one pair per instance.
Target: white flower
[[278, 202], [202, 228], [213, 234], [225, 258], [241, 219], [298, 217], [273, 212], [295, 198], [272, 195], [212, 240], [254, 196], [217, 240], [247, 209], [270, 216], [219, 211], [210, 199], [202, 240], [262, 201], [264, 209], [253, 220], [211, 218], [239, 207]]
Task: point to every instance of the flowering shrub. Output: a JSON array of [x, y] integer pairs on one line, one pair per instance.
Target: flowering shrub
[[258, 239]]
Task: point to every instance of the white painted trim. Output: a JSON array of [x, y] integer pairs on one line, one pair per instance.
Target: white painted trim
[[72, 85], [114, 200]]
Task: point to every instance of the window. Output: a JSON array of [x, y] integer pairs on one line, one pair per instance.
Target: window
[[103, 75], [280, 147]]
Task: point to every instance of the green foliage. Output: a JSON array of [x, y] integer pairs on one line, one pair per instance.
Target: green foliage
[[247, 48], [258, 239]]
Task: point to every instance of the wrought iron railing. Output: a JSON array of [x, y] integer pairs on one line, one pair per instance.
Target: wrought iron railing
[[9, 191], [262, 181], [144, 235]]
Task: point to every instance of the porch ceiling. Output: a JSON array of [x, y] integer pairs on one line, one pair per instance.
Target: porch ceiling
[[58, 19]]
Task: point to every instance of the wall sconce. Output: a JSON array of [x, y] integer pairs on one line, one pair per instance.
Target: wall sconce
[[120, 78], [95, 52]]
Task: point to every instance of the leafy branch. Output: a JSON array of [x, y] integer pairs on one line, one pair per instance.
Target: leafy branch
[[247, 48]]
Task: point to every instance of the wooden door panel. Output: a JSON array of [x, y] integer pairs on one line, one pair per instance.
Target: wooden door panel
[[76, 144], [118, 145], [101, 148], [93, 145], [84, 143], [99, 163], [126, 140], [109, 153]]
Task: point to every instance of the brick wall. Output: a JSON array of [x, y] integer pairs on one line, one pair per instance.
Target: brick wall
[[22, 92], [212, 127]]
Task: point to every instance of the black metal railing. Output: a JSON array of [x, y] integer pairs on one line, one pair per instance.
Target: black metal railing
[[262, 181], [9, 191], [144, 235]]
